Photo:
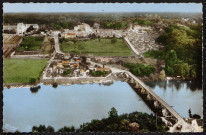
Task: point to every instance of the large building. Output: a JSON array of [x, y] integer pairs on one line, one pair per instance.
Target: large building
[[83, 27], [21, 27]]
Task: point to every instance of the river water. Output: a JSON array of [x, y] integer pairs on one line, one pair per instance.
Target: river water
[[66, 105], [181, 95], [77, 104]]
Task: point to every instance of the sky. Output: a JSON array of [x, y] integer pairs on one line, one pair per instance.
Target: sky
[[102, 7]]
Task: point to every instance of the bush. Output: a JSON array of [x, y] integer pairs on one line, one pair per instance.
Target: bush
[[99, 73], [67, 72], [140, 70], [32, 80]]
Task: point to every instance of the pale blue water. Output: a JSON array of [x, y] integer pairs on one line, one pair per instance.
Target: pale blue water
[[181, 95], [66, 105]]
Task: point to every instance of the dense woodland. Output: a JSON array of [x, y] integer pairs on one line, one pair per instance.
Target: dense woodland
[[106, 20], [183, 51]]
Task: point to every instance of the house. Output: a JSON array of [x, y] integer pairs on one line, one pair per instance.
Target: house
[[59, 65], [75, 64], [70, 35], [54, 70], [79, 60], [54, 66], [61, 71], [65, 62], [103, 69], [66, 56], [82, 71]]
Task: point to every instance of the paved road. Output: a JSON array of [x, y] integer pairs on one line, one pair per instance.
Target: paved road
[[57, 46], [132, 47]]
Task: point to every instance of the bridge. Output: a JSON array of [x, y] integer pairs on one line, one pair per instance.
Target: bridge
[[158, 105]]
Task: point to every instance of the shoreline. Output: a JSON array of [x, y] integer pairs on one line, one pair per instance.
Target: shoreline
[[100, 80]]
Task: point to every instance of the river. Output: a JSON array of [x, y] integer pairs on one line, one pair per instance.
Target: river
[[77, 104], [66, 105]]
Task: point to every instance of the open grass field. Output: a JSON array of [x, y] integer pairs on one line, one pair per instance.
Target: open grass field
[[30, 43], [104, 47], [22, 70]]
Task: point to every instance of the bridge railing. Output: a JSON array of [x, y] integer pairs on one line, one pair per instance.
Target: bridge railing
[[171, 110]]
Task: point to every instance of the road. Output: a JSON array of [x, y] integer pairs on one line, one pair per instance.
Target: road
[[131, 46], [57, 46]]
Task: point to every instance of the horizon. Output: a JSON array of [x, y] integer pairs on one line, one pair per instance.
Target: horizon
[[100, 12], [101, 7]]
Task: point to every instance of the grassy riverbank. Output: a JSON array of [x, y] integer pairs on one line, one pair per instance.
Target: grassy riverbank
[[22, 70], [98, 47]]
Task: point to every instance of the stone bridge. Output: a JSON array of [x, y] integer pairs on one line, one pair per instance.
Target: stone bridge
[[156, 104]]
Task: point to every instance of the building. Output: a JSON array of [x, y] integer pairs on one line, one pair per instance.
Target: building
[[66, 56], [103, 69], [65, 62], [70, 35], [21, 27], [83, 27], [198, 125], [79, 60], [59, 65], [96, 25]]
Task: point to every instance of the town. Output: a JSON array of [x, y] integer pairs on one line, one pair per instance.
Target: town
[[134, 51], [63, 64]]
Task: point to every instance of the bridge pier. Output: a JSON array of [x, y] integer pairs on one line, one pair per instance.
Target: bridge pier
[[152, 101]]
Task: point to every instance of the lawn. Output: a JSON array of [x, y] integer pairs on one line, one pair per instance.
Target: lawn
[[22, 70], [104, 47], [30, 43]]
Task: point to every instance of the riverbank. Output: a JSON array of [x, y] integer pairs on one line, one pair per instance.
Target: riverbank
[[69, 81]]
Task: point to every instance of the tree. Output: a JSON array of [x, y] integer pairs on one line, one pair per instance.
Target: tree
[[182, 69], [190, 113], [30, 28], [113, 113], [171, 58], [55, 85], [50, 129], [124, 125]]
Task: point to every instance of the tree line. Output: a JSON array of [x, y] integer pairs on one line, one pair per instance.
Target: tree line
[[114, 123]]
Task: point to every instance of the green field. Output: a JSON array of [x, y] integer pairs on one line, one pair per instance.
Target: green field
[[30, 43], [22, 70], [104, 47]]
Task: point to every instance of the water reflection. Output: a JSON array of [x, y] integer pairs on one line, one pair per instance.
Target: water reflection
[[178, 84], [35, 89], [182, 95]]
